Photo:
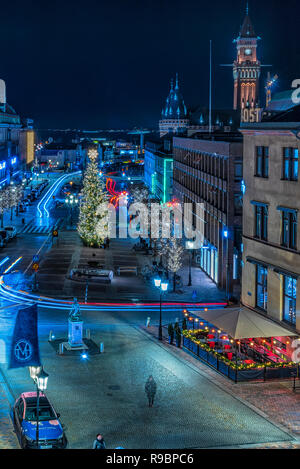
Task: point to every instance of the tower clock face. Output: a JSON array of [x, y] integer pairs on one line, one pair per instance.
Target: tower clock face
[[248, 51]]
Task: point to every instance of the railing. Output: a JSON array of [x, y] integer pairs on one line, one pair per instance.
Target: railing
[[234, 372]]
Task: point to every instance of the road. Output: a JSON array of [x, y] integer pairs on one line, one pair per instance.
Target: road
[[105, 393]]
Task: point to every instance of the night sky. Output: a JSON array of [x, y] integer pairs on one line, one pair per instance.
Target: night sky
[[107, 64]]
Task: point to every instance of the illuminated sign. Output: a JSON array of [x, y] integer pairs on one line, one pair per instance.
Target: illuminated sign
[[13, 160], [2, 165], [251, 115]]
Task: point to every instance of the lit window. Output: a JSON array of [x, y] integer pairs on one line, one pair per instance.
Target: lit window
[[289, 299], [261, 287]]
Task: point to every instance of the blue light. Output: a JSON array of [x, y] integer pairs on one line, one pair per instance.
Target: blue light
[[225, 234], [84, 356], [13, 160], [243, 187]]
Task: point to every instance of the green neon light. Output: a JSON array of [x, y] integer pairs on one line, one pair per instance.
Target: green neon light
[[165, 179]]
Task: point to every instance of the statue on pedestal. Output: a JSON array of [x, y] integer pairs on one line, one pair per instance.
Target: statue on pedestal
[[75, 314]]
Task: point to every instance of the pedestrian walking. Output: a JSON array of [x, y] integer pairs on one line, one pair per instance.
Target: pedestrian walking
[[99, 442], [150, 389]]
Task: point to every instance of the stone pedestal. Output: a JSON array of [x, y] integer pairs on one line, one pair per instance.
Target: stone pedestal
[[75, 333]]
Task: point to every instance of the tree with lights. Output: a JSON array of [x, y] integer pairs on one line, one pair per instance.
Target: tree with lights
[[92, 226], [174, 252], [4, 203]]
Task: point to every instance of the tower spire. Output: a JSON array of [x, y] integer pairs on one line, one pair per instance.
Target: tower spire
[[172, 84], [176, 85], [247, 8]]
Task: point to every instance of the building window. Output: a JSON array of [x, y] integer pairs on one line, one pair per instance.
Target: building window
[[261, 287], [262, 162], [289, 299], [290, 164], [289, 229], [238, 171], [238, 204], [261, 222]]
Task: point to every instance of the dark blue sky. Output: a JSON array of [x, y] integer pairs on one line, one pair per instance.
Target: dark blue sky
[[107, 64]]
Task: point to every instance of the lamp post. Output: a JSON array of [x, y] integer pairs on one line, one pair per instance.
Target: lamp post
[[163, 287], [40, 377], [72, 202], [226, 236], [190, 247]]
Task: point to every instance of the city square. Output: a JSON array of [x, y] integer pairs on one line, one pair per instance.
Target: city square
[[149, 239]]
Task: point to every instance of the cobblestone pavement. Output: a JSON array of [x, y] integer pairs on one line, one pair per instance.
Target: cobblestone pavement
[[106, 394], [8, 438], [53, 275], [275, 399]]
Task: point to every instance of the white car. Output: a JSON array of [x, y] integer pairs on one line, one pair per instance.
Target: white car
[[11, 231]]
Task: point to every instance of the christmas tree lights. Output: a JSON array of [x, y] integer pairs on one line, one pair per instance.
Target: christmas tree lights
[[92, 226]]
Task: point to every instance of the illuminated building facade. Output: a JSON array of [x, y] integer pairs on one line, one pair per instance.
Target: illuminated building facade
[[208, 170], [13, 131], [246, 68], [271, 233], [174, 116], [158, 169]]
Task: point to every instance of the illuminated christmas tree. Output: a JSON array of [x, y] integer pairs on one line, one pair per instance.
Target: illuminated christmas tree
[[174, 251], [92, 226]]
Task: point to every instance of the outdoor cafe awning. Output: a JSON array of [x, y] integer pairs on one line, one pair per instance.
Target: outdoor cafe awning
[[243, 323]]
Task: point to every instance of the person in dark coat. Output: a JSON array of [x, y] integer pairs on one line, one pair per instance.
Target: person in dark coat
[[150, 389], [99, 443]]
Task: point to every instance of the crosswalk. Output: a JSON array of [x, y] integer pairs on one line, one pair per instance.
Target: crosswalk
[[32, 228]]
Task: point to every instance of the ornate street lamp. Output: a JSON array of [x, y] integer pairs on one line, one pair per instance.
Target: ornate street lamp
[[40, 377], [190, 247]]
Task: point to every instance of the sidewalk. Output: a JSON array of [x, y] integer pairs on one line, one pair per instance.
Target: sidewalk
[[274, 399], [8, 439]]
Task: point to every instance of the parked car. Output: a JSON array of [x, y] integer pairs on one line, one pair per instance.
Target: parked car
[[51, 433], [11, 231]]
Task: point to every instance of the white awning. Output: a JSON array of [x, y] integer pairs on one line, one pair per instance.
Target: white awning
[[243, 323]]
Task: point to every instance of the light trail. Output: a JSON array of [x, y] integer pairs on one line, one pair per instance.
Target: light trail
[[42, 205], [11, 266], [12, 295]]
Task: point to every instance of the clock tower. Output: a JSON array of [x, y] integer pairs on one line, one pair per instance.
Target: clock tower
[[246, 68]]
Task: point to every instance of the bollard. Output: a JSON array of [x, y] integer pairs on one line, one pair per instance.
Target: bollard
[[148, 322], [61, 349], [88, 334], [50, 336], [101, 347]]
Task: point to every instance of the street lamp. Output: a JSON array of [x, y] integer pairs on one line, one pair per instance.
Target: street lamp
[[226, 236], [190, 247], [163, 287], [72, 202], [40, 377]]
